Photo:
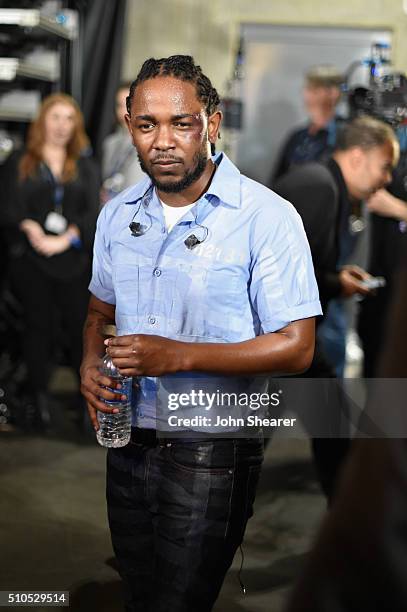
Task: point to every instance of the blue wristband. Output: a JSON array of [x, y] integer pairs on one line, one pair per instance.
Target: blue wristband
[[75, 242]]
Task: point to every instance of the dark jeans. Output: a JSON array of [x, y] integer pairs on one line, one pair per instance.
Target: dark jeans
[[177, 513]]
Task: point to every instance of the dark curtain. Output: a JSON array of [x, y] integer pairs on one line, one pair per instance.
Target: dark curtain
[[100, 49]]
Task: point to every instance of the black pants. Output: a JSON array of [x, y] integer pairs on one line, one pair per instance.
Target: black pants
[[322, 407], [46, 300], [177, 514], [329, 453]]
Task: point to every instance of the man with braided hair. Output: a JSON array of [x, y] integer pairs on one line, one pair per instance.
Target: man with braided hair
[[209, 280]]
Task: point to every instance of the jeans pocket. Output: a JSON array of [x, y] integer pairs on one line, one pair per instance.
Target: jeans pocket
[[208, 457]]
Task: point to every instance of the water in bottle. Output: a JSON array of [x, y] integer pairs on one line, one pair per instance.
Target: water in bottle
[[114, 429]]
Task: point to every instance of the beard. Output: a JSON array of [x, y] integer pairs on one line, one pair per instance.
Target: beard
[[190, 176]]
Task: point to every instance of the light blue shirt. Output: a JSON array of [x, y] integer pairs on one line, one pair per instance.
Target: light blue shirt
[[251, 274]]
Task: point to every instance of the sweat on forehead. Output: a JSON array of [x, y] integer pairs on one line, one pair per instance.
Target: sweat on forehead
[[167, 94]]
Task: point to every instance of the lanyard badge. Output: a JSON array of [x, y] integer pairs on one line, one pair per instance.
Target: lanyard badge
[[55, 221]]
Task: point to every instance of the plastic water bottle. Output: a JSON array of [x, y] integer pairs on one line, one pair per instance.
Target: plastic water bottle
[[114, 429]]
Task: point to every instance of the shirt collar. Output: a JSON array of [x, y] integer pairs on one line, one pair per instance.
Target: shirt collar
[[225, 184], [331, 125], [333, 166], [134, 193]]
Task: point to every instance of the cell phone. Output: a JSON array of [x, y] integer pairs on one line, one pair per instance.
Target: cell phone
[[375, 282]]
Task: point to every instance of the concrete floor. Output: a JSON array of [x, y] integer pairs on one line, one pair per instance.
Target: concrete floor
[[53, 527]]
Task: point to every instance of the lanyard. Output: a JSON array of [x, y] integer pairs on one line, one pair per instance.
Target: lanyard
[[58, 188]]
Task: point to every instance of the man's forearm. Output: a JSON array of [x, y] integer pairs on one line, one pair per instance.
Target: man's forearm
[[275, 353], [289, 350], [93, 335], [329, 284]]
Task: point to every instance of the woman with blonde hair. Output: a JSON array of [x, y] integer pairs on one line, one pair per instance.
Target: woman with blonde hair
[[48, 217]]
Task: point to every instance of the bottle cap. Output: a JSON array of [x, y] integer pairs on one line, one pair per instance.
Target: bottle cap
[[109, 331]]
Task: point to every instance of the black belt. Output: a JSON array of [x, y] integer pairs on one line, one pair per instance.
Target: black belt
[[152, 438], [146, 437]]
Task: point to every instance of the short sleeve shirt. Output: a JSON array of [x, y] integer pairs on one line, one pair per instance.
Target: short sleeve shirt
[[250, 273]]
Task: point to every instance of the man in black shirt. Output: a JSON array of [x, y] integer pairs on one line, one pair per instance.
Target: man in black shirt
[[316, 140], [324, 194]]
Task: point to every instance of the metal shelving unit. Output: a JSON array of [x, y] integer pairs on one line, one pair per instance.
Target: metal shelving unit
[[11, 68], [26, 74], [32, 18], [13, 114]]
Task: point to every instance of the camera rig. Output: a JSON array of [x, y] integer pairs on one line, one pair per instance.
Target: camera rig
[[385, 97]]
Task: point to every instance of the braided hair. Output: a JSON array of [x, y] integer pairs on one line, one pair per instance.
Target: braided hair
[[181, 67]]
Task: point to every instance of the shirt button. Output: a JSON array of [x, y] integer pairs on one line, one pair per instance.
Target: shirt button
[[151, 320], [157, 272]]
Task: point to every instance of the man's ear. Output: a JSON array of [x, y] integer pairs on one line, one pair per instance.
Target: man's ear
[[356, 156], [214, 122], [129, 126]]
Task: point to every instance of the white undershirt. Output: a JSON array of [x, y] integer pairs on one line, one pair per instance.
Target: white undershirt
[[172, 214]]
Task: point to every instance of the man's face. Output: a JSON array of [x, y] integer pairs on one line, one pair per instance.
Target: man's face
[[318, 99], [372, 170], [169, 127]]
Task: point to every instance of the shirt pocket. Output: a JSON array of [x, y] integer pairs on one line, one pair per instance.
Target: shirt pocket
[[126, 280], [208, 303], [186, 307], [226, 304]]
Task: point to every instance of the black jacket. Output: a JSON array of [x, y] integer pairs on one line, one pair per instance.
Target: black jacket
[[33, 198], [319, 194]]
